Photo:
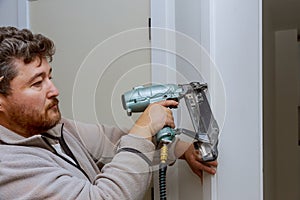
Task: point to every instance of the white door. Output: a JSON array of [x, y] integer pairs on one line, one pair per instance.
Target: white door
[[230, 33]]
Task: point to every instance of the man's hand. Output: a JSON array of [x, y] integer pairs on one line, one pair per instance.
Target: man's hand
[[154, 118], [192, 157]]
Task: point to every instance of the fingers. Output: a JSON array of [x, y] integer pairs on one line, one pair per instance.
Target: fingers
[[154, 118], [212, 163], [160, 115], [169, 121], [193, 158], [168, 103], [198, 158], [208, 168], [169, 118]]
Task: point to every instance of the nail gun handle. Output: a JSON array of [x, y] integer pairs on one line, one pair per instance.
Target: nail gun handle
[[165, 135]]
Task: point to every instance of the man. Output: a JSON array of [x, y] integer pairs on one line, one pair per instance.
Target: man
[[44, 156]]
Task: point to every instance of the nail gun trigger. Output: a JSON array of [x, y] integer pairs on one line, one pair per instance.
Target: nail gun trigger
[[174, 99]]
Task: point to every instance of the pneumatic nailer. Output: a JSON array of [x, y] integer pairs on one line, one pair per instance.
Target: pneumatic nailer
[[206, 128]]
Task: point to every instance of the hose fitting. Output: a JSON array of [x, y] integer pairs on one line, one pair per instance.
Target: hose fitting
[[164, 153]]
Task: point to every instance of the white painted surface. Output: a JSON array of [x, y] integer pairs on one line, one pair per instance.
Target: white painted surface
[[102, 51], [237, 53], [13, 13], [234, 38]]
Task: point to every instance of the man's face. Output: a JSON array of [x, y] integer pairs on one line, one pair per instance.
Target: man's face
[[32, 106]]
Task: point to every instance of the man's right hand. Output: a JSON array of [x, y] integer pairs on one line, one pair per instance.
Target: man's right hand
[[154, 118]]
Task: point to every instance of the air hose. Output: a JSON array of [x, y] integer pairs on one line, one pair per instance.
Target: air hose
[[163, 172]]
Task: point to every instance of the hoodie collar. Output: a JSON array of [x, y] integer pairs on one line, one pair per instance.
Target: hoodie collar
[[11, 138]]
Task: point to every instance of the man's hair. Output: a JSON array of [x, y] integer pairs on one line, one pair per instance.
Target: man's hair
[[21, 45]]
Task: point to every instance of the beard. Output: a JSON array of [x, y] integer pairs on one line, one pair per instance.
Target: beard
[[31, 120]]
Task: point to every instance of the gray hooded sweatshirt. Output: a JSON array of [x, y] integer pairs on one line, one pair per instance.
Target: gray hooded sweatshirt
[[98, 162]]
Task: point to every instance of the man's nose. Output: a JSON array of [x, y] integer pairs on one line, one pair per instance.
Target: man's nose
[[53, 91]]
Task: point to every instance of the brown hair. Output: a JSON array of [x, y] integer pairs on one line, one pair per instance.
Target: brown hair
[[23, 45]]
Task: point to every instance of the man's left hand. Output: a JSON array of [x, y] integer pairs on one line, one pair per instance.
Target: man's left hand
[[192, 157]]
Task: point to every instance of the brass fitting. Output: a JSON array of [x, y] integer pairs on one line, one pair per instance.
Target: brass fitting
[[164, 153]]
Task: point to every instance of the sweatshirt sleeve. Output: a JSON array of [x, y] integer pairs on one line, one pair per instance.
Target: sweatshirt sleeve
[[100, 140], [34, 173], [128, 158]]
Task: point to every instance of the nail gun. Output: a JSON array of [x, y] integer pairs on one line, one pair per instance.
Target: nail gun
[[206, 130]]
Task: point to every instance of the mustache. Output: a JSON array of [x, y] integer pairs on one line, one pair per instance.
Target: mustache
[[54, 102]]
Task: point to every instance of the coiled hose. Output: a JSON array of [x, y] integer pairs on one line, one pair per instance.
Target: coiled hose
[[162, 181], [163, 172]]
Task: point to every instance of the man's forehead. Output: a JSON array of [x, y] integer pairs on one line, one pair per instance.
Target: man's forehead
[[18, 62], [33, 69]]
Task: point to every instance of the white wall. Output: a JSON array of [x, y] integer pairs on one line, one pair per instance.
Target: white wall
[[102, 51]]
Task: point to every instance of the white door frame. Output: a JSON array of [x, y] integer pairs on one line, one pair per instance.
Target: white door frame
[[241, 150], [163, 67], [23, 14], [15, 12], [163, 17]]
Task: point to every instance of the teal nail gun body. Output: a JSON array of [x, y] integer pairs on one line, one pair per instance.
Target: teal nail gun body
[[206, 128]]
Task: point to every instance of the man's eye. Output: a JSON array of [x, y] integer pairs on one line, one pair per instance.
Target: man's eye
[[36, 84]]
